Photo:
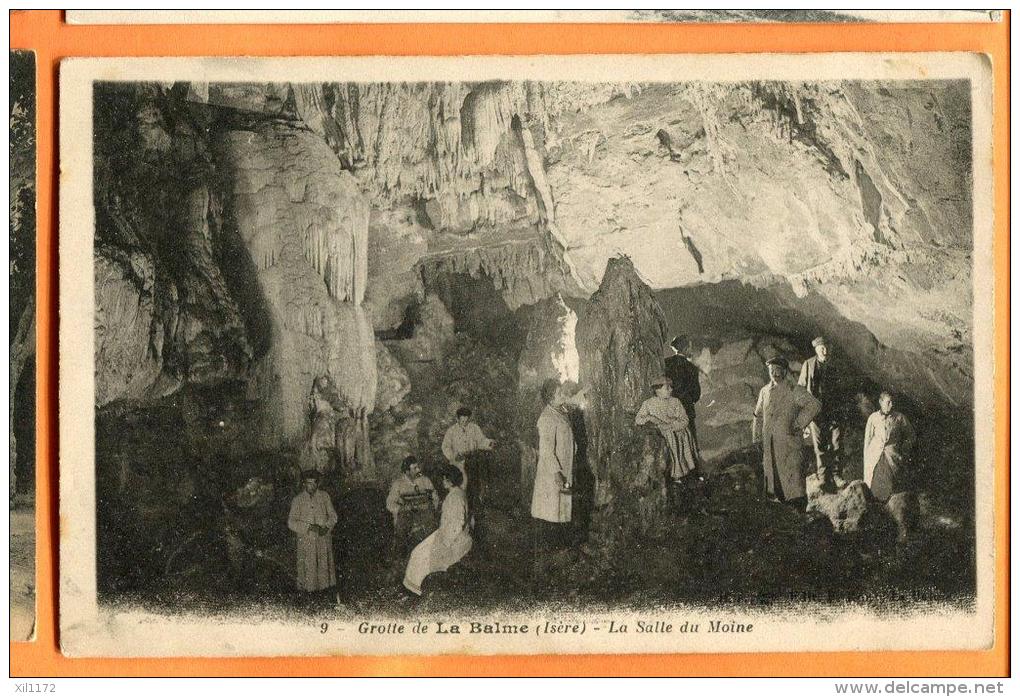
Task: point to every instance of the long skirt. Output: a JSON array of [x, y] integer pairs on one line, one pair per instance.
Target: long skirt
[[431, 556], [884, 480], [683, 453]]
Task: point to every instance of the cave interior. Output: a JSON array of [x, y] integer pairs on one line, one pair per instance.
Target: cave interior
[[427, 246]]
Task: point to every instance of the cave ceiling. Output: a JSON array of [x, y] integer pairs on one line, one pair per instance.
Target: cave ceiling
[[851, 190]]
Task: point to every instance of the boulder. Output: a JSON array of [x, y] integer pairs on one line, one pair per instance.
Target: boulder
[[851, 510], [845, 509], [904, 510]]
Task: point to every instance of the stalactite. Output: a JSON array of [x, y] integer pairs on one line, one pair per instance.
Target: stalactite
[[524, 272], [305, 224], [441, 140]]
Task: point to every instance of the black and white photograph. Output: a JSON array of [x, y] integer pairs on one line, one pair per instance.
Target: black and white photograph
[[525, 355], [21, 345]]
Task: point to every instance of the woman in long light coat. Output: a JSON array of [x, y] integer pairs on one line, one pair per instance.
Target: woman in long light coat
[[312, 519], [447, 545], [551, 498], [888, 438]]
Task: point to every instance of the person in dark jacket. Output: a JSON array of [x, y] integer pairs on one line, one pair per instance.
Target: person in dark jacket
[[685, 377], [819, 375]]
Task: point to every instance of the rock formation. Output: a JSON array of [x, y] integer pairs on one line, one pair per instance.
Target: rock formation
[[164, 313], [536, 185], [304, 224], [620, 342], [318, 274]]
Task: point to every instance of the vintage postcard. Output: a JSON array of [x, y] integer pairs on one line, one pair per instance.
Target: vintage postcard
[[586, 354], [21, 345]]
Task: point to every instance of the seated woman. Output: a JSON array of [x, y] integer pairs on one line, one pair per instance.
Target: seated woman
[[668, 415], [447, 545]]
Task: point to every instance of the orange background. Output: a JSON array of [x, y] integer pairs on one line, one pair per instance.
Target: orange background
[[51, 39]]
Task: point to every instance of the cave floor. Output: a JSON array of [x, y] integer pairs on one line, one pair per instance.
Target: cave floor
[[22, 540], [745, 552]]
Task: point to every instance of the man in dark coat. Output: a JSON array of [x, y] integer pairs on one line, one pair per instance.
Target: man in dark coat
[[686, 379], [780, 416], [819, 376]]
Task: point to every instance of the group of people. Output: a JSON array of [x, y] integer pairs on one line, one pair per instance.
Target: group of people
[[785, 411], [783, 414], [412, 501]]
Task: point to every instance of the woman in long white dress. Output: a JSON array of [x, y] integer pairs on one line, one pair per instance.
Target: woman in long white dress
[[447, 545]]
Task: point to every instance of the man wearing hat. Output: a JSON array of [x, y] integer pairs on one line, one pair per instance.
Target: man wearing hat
[[686, 378], [818, 377], [312, 519], [782, 413]]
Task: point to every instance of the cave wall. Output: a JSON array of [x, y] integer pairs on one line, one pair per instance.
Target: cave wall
[[857, 193], [854, 197], [242, 225], [164, 315], [304, 225], [426, 245]]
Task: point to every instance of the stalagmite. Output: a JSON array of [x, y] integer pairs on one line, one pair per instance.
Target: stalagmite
[[620, 343]]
